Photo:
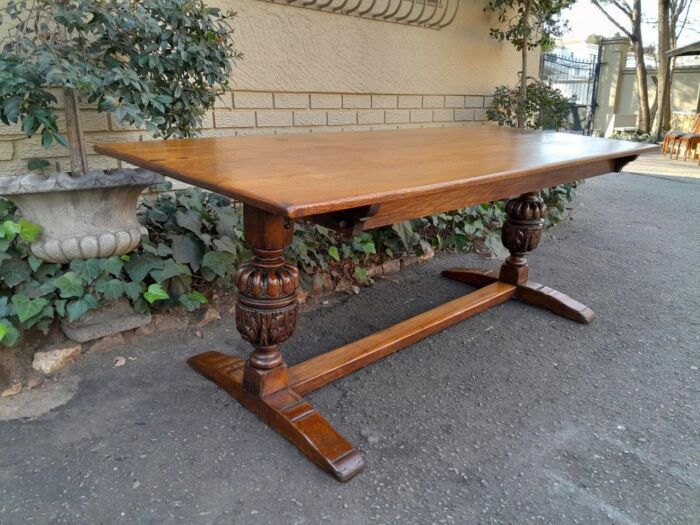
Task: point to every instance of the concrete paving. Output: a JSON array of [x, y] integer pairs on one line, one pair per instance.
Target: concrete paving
[[515, 416]]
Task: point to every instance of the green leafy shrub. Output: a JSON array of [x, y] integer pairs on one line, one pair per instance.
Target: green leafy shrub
[[544, 107], [153, 63]]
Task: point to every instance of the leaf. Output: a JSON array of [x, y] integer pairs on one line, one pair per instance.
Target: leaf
[[88, 269], [141, 265], [29, 231], [198, 296], [406, 233], [155, 293], [37, 164], [141, 306], [26, 308], [111, 290], [190, 220], [193, 300], [46, 270], [11, 229], [60, 306], [163, 250], [112, 265], [188, 250], [333, 252], [79, 307], [133, 290], [170, 269], [33, 289], [228, 222], [191, 199], [47, 313], [225, 244], [220, 263], [364, 243], [361, 274], [9, 334], [15, 271], [34, 262], [70, 285]]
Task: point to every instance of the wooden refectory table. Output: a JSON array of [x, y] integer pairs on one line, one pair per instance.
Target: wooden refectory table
[[353, 182]]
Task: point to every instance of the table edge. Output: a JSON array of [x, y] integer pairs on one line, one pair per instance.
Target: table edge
[[301, 211]]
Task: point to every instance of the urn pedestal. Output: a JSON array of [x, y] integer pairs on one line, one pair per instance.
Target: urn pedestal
[[81, 218]]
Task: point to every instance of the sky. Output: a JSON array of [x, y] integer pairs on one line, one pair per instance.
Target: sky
[[585, 19]]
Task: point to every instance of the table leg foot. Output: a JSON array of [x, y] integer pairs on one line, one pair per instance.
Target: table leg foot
[[286, 412], [561, 304], [478, 277], [529, 292]]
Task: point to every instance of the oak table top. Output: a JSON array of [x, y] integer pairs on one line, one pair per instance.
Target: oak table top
[[297, 175]]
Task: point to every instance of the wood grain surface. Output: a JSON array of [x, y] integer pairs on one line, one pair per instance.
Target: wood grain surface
[[306, 175]]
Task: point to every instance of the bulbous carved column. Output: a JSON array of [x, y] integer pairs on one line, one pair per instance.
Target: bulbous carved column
[[521, 233], [267, 307]]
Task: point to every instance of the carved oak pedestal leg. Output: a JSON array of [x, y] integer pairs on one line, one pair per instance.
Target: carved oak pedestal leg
[[521, 233], [266, 316]]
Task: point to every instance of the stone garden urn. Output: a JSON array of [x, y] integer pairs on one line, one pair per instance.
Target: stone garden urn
[[81, 218]]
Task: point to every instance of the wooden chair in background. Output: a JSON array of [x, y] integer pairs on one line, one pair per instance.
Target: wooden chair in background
[[673, 138], [691, 143]]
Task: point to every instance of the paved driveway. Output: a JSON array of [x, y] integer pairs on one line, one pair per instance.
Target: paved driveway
[[515, 416]]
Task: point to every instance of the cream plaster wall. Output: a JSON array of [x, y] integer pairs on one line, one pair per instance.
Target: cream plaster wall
[[684, 90], [295, 49]]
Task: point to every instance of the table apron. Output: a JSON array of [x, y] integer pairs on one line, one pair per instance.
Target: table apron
[[355, 220]]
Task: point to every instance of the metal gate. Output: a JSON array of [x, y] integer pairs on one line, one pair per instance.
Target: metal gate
[[577, 80]]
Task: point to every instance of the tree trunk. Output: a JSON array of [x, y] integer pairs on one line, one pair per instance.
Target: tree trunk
[[663, 115], [523, 56], [76, 140], [642, 88], [654, 108]]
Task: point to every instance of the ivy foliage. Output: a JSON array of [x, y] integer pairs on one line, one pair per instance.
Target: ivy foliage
[[544, 106], [153, 63]]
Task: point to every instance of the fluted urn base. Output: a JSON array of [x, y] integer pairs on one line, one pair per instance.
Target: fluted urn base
[[91, 216]]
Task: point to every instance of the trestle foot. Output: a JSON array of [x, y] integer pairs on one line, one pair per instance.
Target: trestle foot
[[286, 412]]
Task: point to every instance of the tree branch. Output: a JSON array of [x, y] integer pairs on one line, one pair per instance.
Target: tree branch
[[622, 6], [677, 9], [627, 33]]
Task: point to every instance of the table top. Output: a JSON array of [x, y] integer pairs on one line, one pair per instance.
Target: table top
[[300, 175]]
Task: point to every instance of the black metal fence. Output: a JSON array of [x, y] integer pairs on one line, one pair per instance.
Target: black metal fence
[[576, 79]]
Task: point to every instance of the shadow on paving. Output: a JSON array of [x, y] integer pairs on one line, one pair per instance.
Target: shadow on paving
[[514, 416]]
